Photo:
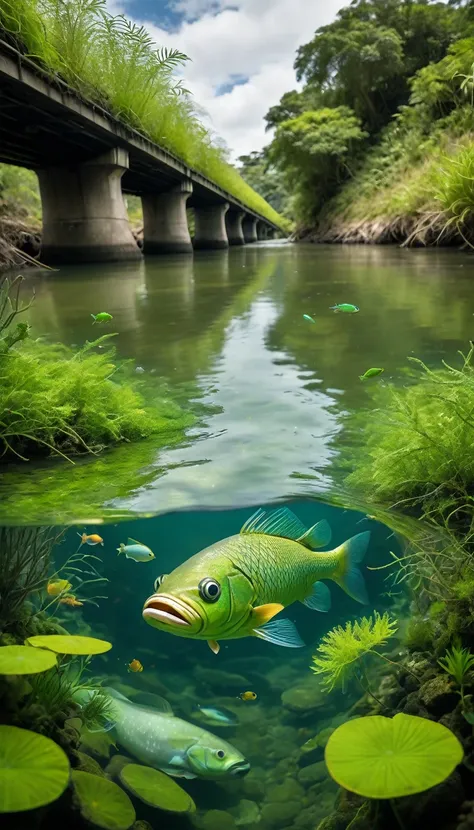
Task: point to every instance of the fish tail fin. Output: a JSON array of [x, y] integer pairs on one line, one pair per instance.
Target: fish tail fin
[[348, 575], [93, 317], [121, 548]]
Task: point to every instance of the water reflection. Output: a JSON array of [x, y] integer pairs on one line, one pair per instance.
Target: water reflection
[[227, 327]]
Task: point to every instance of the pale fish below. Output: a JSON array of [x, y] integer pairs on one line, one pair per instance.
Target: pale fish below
[[157, 738]]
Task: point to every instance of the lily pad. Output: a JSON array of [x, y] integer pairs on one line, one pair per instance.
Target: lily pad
[[69, 644], [381, 757], [25, 660], [33, 770], [102, 802], [156, 789]]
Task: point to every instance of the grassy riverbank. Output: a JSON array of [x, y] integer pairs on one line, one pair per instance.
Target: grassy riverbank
[[379, 142], [115, 63]]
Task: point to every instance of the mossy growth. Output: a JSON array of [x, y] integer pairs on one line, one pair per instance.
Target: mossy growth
[[417, 443], [419, 634]]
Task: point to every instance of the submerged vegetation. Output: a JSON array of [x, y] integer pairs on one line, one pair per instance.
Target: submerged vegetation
[[377, 146], [114, 63], [64, 402]]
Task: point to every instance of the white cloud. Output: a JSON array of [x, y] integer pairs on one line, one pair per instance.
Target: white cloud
[[256, 39]]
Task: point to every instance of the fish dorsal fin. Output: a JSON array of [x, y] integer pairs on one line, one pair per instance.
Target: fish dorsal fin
[[152, 701], [317, 536], [286, 525], [133, 541], [115, 694], [280, 522]]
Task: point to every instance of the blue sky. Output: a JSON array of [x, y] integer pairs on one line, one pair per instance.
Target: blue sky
[[241, 51]]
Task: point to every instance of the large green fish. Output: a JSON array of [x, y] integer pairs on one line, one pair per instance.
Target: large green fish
[[233, 588]]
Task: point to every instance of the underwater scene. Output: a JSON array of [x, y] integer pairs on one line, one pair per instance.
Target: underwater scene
[[237, 588]]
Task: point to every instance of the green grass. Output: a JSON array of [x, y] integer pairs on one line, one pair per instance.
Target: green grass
[[116, 64], [54, 400]]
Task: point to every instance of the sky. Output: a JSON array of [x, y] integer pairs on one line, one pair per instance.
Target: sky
[[241, 51]]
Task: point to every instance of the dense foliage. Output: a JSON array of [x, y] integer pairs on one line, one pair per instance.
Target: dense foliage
[[115, 63], [395, 80]]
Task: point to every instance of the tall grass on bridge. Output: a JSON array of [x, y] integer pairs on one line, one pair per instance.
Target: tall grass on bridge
[[115, 63]]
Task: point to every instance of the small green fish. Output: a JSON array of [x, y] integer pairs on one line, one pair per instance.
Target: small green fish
[[371, 373], [218, 717], [236, 586], [348, 308], [309, 318], [102, 317], [136, 551]]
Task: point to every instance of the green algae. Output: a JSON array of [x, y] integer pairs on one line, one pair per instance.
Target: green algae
[[25, 660], [156, 789], [34, 770], [380, 757], [102, 802]]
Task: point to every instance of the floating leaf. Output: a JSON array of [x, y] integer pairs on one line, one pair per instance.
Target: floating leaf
[[102, 802], [33, 770], [69, 644], [381, 757], [25, 660], [156, 789]]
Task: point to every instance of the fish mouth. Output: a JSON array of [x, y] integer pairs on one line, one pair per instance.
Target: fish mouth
[[163, 608], [240, 769]]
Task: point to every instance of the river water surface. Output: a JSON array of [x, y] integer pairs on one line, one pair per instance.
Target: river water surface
[[227, 329]]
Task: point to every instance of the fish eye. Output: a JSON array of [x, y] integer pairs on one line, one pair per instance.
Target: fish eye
[[209, 589], [220, 753], [158, 581]]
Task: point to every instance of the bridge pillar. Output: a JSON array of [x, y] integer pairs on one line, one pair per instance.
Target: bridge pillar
[[210, 230], [165, 224], [84, 214], [261, 231], [250, 228], [233, 223]]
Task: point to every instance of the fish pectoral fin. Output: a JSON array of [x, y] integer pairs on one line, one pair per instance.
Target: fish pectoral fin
[[282, 523], [214, 646], [280, 633], [319, 599], [317, 536], [261, 614]]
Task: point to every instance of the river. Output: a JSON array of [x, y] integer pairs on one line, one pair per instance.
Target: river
[[227, 328]]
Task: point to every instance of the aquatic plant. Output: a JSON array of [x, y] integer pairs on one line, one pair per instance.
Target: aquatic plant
[[102, 802], [70, 644], [341, 650], [67, 686], [10, 308], [33, 770], [115, 63], [156, 789], [25, 560], [380, 757], [80, 572], [25, 660], [458, 662]]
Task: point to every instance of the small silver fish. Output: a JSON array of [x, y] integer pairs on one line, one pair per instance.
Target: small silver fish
[[218, 717], [136, 551]]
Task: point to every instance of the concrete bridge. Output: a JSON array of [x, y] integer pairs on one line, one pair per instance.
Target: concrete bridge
[[86, 159]]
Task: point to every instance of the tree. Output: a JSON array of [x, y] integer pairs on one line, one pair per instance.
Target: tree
[[261, 174], [314, 150]]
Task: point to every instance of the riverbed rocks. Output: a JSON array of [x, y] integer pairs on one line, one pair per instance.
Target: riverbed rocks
[[305, 698], [438, 695]]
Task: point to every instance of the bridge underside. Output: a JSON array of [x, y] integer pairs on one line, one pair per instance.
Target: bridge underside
[[46, 127]]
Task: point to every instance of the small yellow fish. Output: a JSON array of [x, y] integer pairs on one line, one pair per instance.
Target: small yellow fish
[[135, 666], [248, 696], [71, 600], [57, 586], [91, 539]]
